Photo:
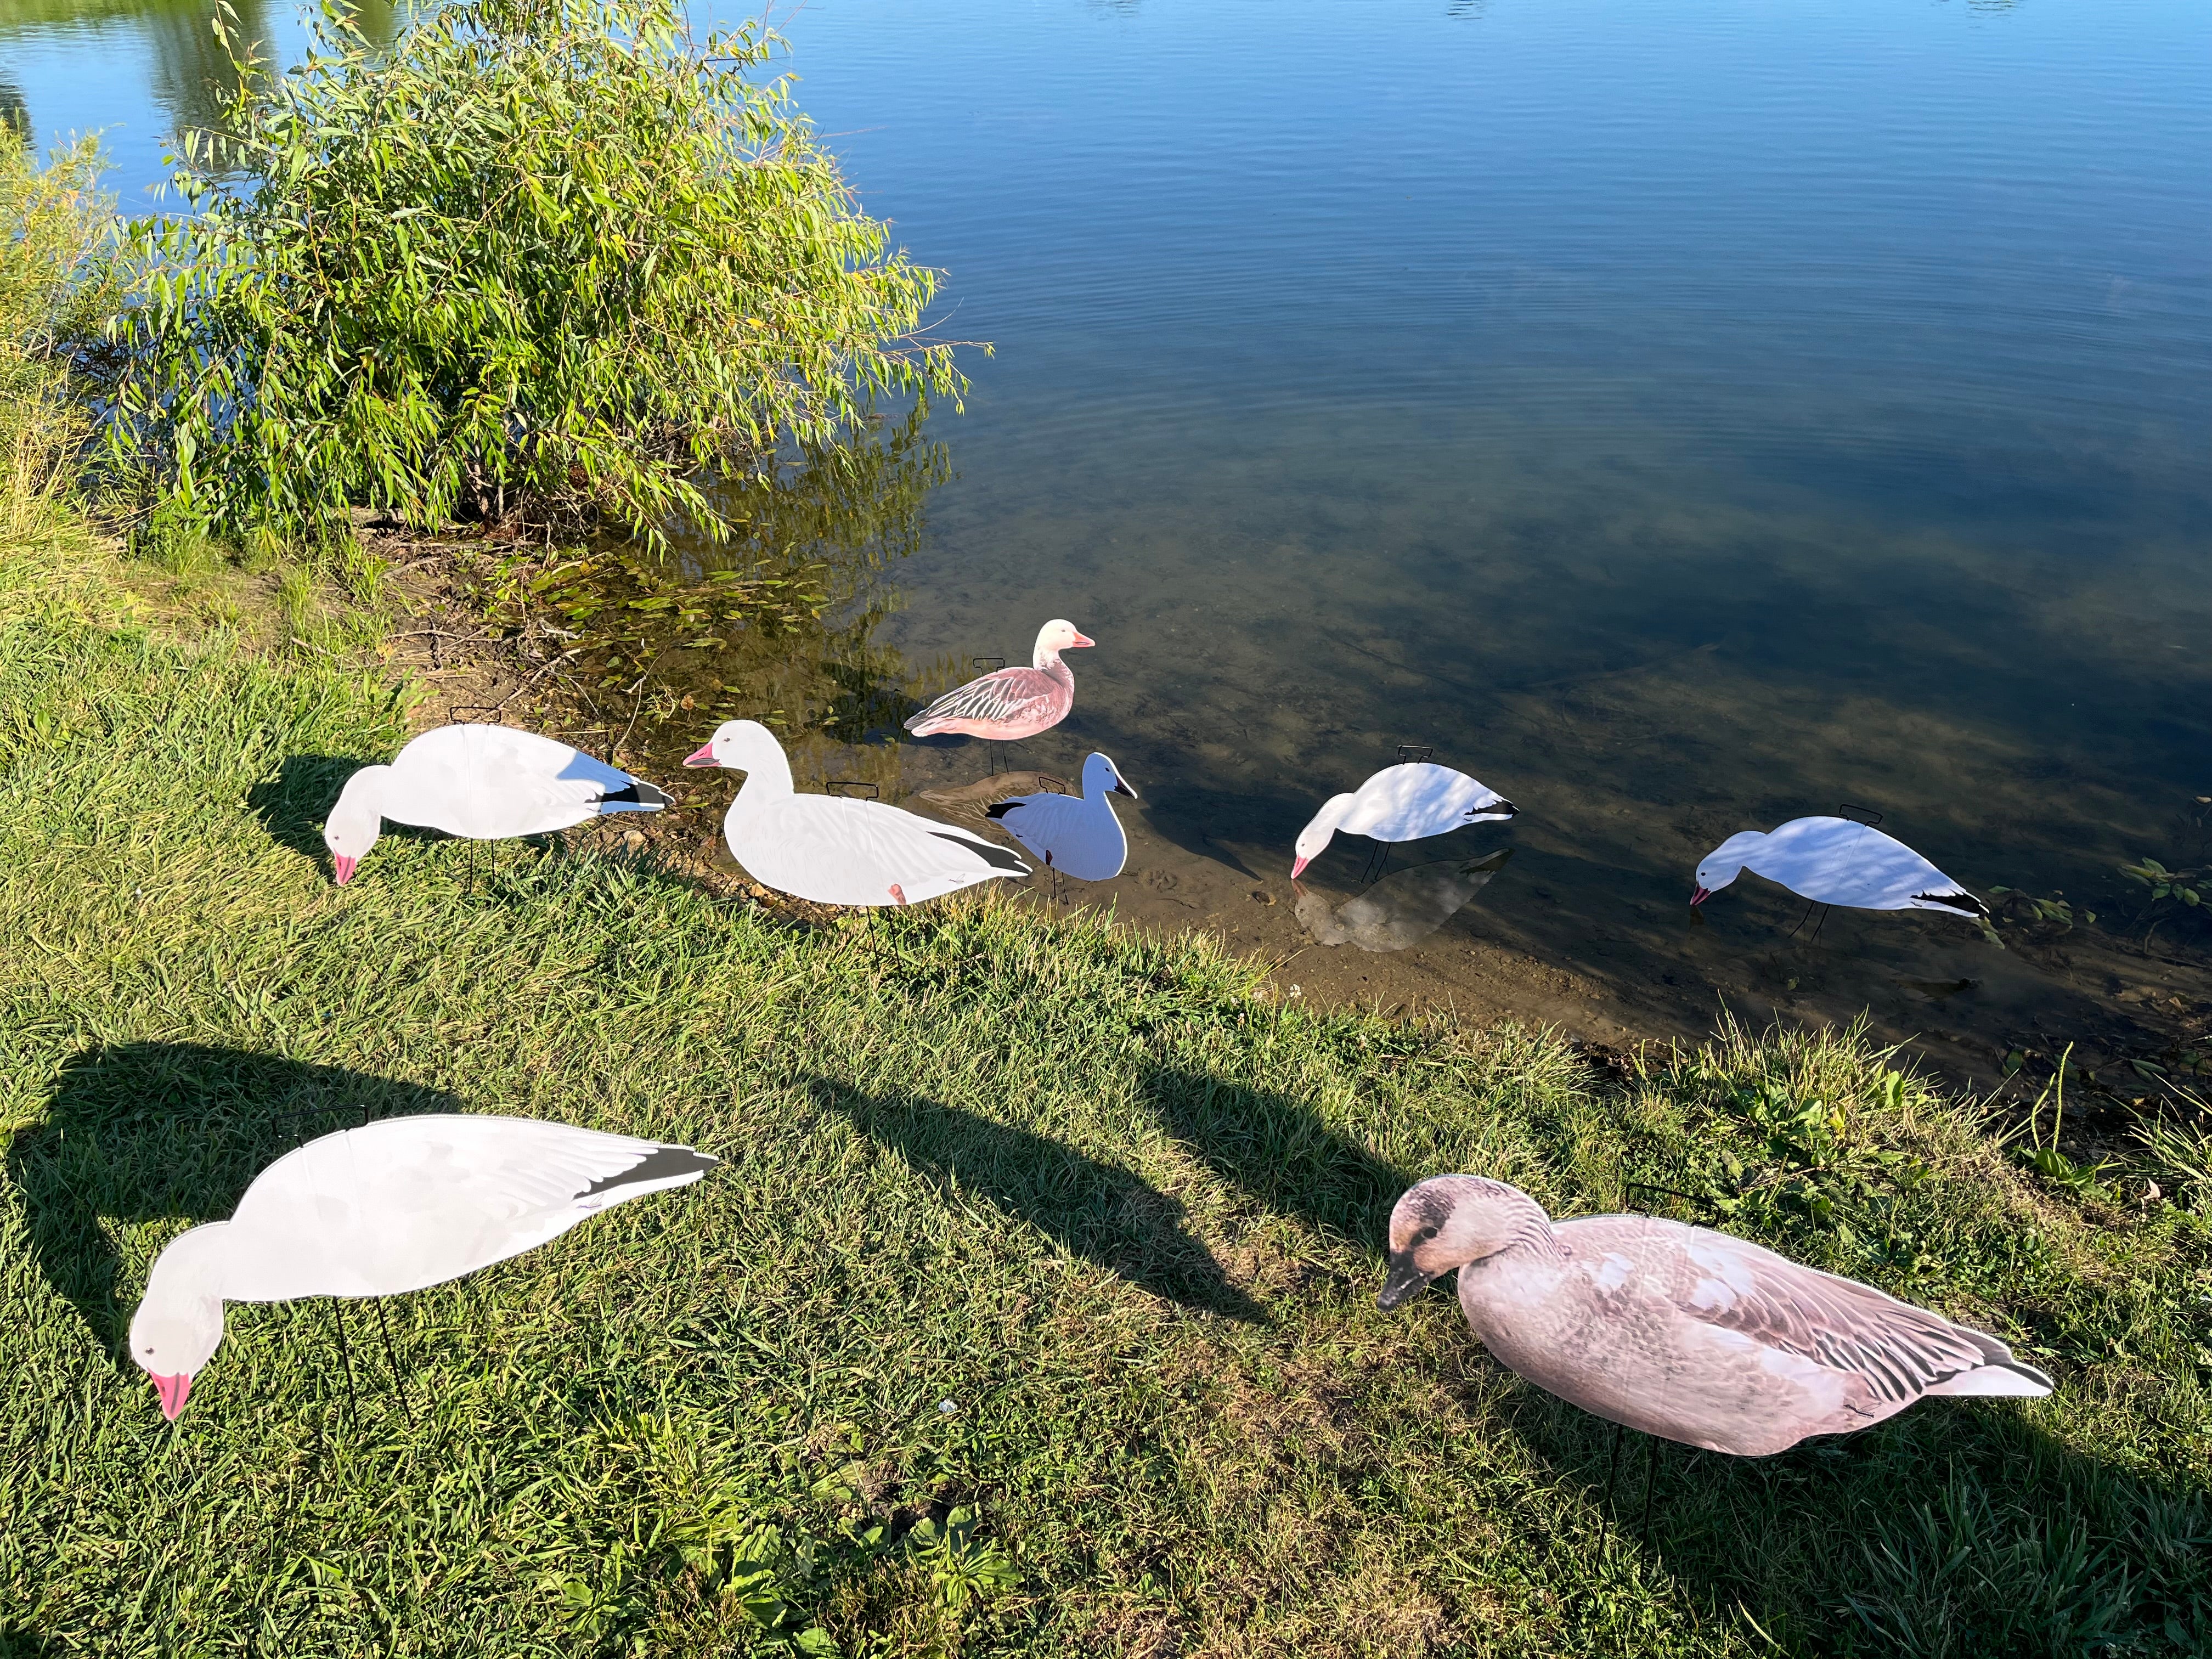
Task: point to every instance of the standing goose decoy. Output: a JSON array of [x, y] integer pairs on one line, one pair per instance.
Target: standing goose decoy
[[395, 1206], [1013, 703], [1681, 1332], [836, 851], [481, 783], [1839, 862], [1408, 802], [1078, 835]]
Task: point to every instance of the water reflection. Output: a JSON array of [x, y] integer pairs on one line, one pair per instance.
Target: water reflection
[[1403, 909], [192, 76], [775, 625], [13, 112]]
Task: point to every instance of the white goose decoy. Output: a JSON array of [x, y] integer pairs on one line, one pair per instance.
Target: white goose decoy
[[395, 1206], [1078, 835], [835, 851], [1837, 861], [1683, 1332], [1406, 802], [482, 783]]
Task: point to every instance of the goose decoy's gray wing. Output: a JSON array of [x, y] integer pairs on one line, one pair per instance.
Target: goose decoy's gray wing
[[1900, 1351]]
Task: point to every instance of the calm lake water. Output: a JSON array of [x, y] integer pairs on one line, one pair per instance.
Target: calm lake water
[[1683, 417]]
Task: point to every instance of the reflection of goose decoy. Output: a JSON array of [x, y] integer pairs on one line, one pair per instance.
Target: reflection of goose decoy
[[1685, 1334], [836, 851], [1408, 802], [481, 783], [1078, 835], [1012, 703], [1837, 861], [397, 1205], [974, 800], [1400, 910]]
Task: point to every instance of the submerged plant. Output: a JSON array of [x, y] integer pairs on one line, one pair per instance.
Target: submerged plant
[[552, 258]]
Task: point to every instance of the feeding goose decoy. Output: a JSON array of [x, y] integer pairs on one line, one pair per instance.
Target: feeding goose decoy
[[397, 1205], [1683, 1332], [1011, 703], [481, 783], [1410, 801], [1078, 835], [1837, 861], [834, 850]]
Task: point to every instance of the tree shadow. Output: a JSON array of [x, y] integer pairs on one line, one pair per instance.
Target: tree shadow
[[143, 1131], [1279, 1151], [1096, 1210]]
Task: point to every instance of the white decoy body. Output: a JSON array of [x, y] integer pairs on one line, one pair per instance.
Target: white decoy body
[[835, 851], [1683, 1333], [395, 1206], [1408, 802], [1837, 861], [482, 783], [1078, 835]]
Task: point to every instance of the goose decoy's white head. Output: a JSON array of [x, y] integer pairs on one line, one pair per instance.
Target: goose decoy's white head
[[1725, 863], [357, 821], [742, 746]]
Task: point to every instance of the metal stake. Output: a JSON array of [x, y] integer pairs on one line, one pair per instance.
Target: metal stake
[[392, 1359]]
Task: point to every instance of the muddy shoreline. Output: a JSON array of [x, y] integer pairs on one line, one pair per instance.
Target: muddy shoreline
[[1607, 962]]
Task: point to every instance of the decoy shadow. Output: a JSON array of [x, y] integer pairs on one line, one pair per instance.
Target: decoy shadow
[[293, 805], [1280, 1151], [146, 1131], [1096, 1210]]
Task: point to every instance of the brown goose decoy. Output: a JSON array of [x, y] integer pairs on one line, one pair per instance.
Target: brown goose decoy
[[1685, 1334]]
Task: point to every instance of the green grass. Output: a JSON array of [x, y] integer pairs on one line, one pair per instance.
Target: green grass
[[1100, 1192]]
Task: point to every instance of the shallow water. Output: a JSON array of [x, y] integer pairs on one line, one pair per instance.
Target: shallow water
[[1683, 417]]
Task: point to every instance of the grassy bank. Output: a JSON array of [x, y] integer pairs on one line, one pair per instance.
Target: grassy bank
[[1032, 1311]]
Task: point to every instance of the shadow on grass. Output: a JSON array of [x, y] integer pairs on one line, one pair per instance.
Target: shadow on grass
[[23, 1643], [1096, 1210], [293, 805], [144, 1131], [1955, 1527], [1279, 1149]]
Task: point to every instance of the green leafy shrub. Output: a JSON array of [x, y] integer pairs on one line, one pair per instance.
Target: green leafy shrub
[[552, 258]]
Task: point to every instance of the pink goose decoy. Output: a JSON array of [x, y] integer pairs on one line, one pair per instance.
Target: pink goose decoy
[[1684, 1334], [1013, 703]]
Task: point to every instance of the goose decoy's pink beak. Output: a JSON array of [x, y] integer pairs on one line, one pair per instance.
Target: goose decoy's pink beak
[[1298, 868], [173, 1390], [1699, 897], [343, 867], [704, 756], [1081, 639]]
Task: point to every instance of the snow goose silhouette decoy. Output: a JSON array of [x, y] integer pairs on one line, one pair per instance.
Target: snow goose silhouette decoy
[[481, 783], [1681, 1332], [397, 1205], [1078, 835], [834, 850], [1406, 802], [1837, 861], [1013, 703]]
